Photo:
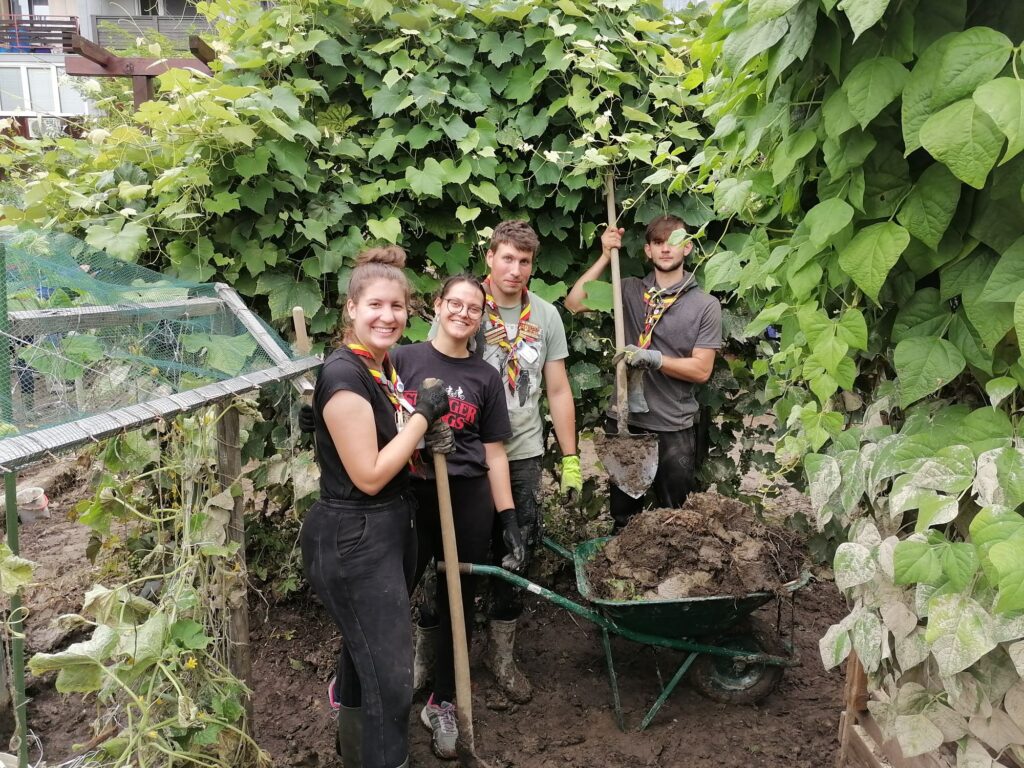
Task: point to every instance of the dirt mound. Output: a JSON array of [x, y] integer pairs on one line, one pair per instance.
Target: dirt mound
[[712, 545]]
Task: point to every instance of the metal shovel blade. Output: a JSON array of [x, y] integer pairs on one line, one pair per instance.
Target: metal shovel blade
[[630, 460]]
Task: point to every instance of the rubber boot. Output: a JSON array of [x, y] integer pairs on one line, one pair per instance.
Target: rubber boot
[[501, 640], [349, 740], [426, 655]]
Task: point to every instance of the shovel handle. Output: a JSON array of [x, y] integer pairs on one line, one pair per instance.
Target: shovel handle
[[303, 345], [463, 689], [621, 394]]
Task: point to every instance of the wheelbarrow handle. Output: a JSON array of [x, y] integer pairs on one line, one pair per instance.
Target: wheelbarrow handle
[[557, 548]]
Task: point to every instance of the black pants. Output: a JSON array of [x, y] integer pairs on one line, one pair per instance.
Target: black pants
[[507, 600], [677, 459], [473, 513], [360, 558]]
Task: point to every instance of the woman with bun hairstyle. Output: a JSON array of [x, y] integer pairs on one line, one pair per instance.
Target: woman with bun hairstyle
[[478, 477], [359, 540]]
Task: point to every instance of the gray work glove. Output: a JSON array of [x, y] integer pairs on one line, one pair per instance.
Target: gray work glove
[[635, 357], [440, 439], [515, 557], [432, 400]]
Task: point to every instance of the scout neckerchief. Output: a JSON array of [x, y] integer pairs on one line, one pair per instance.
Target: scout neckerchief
[[499, 335], [387, 380], [657, 302]]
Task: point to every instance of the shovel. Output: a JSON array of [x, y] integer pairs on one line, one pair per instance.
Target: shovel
[[465, 745], [630, 460]]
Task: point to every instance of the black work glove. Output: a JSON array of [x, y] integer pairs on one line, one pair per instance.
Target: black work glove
[[439, 438], [515, 558], [432, 400], [307, 423]]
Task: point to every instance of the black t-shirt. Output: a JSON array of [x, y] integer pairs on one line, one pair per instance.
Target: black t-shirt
[[342, 370], [479, 414]]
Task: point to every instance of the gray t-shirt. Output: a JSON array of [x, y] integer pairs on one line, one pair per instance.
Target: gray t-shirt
[[527, 438], [693, 321]]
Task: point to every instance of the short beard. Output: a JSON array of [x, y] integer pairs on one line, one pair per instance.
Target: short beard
[[673, 268]]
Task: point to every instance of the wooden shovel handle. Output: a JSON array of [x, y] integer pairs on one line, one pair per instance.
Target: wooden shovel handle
[[621, 393]]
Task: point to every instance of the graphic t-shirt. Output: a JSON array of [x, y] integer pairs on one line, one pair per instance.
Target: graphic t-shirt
[[694, 321], [343, 371], [527, 438], [478, 414]]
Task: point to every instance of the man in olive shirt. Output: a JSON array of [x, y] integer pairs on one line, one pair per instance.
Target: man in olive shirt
[[674, 329]]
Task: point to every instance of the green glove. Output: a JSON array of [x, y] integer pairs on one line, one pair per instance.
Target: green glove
[[572, 479]]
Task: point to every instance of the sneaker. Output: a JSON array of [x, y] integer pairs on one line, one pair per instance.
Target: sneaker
[[332, 696], [440, 719]]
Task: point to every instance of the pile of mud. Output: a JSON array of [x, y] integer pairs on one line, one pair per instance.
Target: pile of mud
[[712, 545]]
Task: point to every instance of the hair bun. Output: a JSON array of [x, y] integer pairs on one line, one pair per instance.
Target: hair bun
[[390, 255]]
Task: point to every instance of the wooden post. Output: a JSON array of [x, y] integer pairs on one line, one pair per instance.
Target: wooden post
[[855, 699], [229, 469], [142, 90]]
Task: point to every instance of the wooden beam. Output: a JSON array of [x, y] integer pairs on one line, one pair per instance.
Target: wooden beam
[[95, 53], [201, 49], [142, 90], [78, 65]]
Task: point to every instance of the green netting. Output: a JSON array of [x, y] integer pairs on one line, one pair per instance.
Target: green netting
[[91, 334]]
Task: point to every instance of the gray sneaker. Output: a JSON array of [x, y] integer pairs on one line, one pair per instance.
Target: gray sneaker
[[440, 719]]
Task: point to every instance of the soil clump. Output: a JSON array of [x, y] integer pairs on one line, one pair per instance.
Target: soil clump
[[712, 545]]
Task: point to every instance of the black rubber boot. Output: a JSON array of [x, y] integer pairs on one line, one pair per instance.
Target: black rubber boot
[[349, 739]]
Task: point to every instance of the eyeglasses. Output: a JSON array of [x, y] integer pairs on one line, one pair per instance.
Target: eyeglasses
[[455, 306]]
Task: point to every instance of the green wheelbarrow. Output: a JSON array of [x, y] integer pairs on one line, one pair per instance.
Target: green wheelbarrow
[[731, 656]]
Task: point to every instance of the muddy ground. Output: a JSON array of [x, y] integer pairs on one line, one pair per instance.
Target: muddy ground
[[712, 545], [570, 722]]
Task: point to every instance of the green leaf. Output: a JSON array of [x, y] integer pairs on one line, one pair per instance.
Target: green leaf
[[965, 140], [222, 203], [15, 572], [189, 635], [389, 229], [1008, 559], [872, 253], [79, 667], [959, 563], [762, 10], [915, 561], [971, 58], [487, 192], [285, 291], [999, 389], [550, 292], [452, 261], [919, 93], [744, 44], [853, 329], [863, 14], [823, 480], [731, 195], [238, 134], [427, 182], [825, 220], [385, 145], [223, 353], [254, 164], [599, 296], [925, 314], [501, 50], [121, 239], [960, 631], [929, 207], [853, 565], [466, 215], [873, 85], [1006, 282], [795, 147], [1018, 316], [1002, 100], [925, 364]]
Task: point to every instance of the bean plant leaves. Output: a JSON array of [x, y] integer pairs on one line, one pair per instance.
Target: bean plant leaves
[[1007, 558], [929, 208], [863, 14], [925, 364], [919, 93], [971, 58], [872, 253], [1002, 100], [873, 85], [1006, 283], [965, 139], [1000, 388], [917, 735], [959, 632], [853, 565]]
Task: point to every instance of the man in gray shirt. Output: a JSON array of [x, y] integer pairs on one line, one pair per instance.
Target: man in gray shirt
[[675, 329]]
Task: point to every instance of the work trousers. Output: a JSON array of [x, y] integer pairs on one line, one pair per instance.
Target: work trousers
[[473, 514], [506, 599], [360, 558]]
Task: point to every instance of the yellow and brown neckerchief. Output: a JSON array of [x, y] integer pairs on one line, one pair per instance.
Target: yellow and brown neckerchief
[[387, 379], [657, 302], [499, 335]]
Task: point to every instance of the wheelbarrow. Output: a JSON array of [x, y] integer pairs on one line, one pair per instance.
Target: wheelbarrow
[[731, 655]]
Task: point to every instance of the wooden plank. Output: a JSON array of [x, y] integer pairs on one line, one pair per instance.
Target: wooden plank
[[77, 65], [31, 322], [229, 469], [92, 52], [201, 49], [142, 90]]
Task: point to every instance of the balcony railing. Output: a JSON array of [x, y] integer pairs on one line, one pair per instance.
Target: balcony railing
[[37, 34], [119, 33]]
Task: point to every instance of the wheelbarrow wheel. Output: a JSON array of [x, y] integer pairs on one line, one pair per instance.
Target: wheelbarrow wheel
[[731, 681]]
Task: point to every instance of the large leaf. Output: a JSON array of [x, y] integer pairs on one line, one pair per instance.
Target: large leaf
[[80, 664], [960, 631], [863, 14], [15, 572], [873, 85], [924, 364], [919, 93], [853, 565], [1006, 283], [762, 10], [823, 478], [965, 140], [283, 292], [925, 314], [744, 44], [1008, 559], [825, 220], [929, 207], [971, 58], [872, 253], [1003, 101]]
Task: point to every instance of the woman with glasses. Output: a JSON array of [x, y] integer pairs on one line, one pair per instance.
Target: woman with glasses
[[477, 469]]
